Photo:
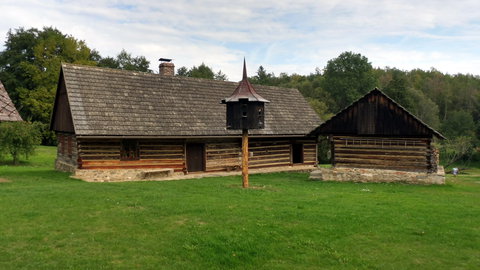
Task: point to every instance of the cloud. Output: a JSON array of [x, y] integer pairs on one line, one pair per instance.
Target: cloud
[[283, 36]]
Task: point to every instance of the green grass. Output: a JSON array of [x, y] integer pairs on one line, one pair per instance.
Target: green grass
[[50, 221]]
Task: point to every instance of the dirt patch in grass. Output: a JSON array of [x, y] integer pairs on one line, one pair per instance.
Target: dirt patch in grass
[[3, 180]]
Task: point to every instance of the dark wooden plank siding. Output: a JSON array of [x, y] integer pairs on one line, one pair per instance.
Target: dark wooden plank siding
[[62, 115], [383, 153], [376, 114]]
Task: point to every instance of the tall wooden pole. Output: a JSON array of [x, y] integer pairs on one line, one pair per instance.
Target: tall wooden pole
[[245, 158]]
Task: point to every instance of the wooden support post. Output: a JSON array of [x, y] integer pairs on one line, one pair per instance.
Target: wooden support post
[[245, 158]]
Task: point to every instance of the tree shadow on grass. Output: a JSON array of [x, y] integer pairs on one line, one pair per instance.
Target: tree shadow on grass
[[34, 174], [10, 163]]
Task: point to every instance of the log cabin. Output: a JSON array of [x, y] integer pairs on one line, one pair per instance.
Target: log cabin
[[8, 112], [107, 119], [375, 132]]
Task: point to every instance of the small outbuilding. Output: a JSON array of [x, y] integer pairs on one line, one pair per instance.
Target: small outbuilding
[[8, 112], [376, 139]]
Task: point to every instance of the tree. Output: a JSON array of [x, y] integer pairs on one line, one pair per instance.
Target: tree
[[263, 77], [397, 89], [220, 76], [30, 64], [454, 149], [459, 123], [18, 138], [348, 77], [202, 71], [423, 107], [320, 108], [124, 60], [182, 71]]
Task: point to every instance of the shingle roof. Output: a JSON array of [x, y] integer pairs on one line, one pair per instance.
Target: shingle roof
[[7, 109], [109, 102]]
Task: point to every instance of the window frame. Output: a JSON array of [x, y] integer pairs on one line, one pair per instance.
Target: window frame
[[130, 150]]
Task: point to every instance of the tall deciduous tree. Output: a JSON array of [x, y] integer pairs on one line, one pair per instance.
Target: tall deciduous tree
[[459, 123], [126, 61], [30, 64], [348, 77], [397, 87]]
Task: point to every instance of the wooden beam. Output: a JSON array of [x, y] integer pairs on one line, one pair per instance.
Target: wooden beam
[[245, 158]]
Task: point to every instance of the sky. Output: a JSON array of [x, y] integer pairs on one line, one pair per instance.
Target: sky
[[296, 36]]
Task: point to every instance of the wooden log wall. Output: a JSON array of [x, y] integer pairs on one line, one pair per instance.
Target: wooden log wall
[[105, 154], [412, 154], [269, 153], [223, 156], [67, 148], [310, 152], [220, 155], [227, 156]]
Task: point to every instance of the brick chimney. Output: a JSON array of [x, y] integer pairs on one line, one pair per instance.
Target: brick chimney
[[167, 69]]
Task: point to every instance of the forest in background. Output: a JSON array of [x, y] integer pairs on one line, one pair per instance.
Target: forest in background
[[30, 65]]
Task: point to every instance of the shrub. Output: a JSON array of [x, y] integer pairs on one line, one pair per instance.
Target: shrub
[[18, 138]]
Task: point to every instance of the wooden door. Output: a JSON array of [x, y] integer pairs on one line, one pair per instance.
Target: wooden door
[[195, 157]]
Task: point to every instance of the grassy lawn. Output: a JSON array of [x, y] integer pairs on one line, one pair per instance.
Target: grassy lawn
[[50, 221]]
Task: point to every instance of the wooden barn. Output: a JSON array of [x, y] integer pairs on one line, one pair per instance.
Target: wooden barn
[[113, 119], [7, 109], [375, 132]]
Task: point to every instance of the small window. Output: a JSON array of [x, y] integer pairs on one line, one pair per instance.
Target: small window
[[130, 150]]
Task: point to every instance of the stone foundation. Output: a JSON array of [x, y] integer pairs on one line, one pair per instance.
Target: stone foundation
[[376, 175], [123, 175], [61, 165]]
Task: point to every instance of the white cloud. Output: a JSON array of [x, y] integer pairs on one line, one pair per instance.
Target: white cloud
[[283, 36]]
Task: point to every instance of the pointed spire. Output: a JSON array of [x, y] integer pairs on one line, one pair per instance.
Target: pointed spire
[[244, 70], [245, 90]]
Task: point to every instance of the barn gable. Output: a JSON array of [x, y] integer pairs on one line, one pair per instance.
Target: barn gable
[[375, 114], [61, 110], [7, 109]]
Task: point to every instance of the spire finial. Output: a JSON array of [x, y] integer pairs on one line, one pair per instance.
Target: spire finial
[[244, 69]]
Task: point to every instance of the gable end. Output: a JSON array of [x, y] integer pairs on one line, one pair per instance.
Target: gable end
[[62, 116]]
